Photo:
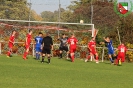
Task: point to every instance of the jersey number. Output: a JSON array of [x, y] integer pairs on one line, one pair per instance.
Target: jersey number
[[38, 40], [122, 50], [72, 42]]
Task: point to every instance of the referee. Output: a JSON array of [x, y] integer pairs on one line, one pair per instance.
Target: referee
[[47, 44]]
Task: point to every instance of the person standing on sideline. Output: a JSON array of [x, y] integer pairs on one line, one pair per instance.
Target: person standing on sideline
[[38, 45], [47, 44], [11, 43], [63, 45], [92, 50], [72, 41], [121, 54], [27, 44], [111, 53]]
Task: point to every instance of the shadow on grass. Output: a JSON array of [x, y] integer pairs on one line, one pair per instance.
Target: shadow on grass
[[43, 62], [36, 59]]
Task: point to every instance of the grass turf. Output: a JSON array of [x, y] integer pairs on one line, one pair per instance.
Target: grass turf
[[18, 73]]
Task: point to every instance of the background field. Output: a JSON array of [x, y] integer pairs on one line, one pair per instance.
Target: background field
[[17, 73]]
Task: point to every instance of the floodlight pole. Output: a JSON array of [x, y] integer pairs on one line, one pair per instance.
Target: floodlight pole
[[29, 14], [119, 35], [59, 19], [91, 12], [92, 19]]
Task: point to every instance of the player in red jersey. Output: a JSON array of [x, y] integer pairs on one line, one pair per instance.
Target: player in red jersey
[[121, 53], [72, 41], [11, 43], [27, 44], [92, 50]]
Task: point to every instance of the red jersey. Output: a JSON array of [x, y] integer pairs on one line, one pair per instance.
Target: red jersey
[[122, 49], [92, 45], [72, 41], [12, 38], [28, 38]]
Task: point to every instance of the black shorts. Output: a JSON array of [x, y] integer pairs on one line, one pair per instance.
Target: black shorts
[[46, 50], [65, 48]]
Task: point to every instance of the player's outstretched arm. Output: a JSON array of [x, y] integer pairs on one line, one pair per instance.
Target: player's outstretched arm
[[105, 39]]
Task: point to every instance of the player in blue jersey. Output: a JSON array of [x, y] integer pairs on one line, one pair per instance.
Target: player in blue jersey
[[111, 51], [38, 45]]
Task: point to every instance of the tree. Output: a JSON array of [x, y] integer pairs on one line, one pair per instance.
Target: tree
[[17, 10], [52, 16], [47, 15], [36, 16], [14, 9]]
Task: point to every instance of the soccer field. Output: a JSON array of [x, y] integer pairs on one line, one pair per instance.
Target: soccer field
[[18, 73]]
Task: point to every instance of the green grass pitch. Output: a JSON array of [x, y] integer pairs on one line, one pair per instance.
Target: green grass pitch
[[18, 73]]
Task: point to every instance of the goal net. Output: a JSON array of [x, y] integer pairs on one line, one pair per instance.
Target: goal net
[[82, 31]]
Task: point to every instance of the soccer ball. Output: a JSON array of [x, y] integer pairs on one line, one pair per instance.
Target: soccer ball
[[81, 21]]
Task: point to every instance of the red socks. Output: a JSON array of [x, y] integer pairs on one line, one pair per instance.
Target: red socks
[[116, 61], [72, 58], [97, 58], [25, 54], [88, 57], [8, 53]]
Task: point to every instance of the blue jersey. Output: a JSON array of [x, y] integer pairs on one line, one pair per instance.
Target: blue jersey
[[110, 47], [38, 41]]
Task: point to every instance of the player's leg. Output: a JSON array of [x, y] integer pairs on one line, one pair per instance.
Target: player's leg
[[36, 48], [26, 52], [60, 54], [67, 52], [38, 52], [43, 57], [123, 58], [88, 57], [43, 54], [114, 57], [118, 60], [110, 53], [67, 56], [10, 50], [49, 55], [72, 56], [61, 49], [96, 54], [110, 58], [72, 53]]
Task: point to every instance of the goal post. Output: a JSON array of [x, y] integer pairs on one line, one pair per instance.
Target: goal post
[[44, 22]]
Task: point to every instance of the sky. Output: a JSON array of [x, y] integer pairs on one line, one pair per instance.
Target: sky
[[48, 5], [52, 5]]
